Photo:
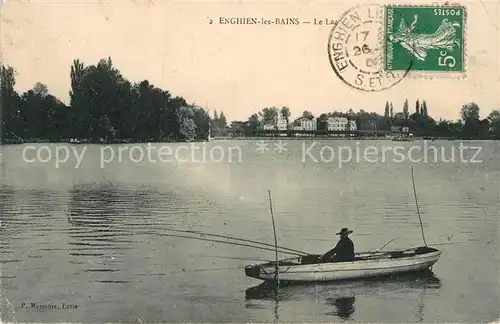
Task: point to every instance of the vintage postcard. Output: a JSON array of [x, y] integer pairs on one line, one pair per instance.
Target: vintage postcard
[[249, 161]]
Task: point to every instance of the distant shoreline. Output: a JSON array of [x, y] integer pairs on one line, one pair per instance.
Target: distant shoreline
[[259, 138], [83, 142], [336, 138]]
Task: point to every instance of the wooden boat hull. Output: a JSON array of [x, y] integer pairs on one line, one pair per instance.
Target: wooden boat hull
[[366, 265]]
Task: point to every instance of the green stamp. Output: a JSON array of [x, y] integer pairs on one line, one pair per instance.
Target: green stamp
[[425, 38]]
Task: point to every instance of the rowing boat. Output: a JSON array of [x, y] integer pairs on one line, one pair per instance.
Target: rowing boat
[[365, 265]]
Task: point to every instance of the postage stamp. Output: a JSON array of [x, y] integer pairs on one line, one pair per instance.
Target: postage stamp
[[431, 38], [355, 50]]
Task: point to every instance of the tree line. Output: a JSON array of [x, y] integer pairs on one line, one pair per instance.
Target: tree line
[[104, 107], [419, 121]]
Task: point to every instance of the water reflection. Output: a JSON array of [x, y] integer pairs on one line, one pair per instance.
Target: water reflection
[[340, 296], [99, 237], [111, 228], [27, 215], [94, 217], [344, 306], [8, 233], [7, 207]]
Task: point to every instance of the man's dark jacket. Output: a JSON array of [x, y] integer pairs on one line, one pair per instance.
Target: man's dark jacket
[[343, 251]]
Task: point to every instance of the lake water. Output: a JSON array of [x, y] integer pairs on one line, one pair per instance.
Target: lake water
[[93, 238]]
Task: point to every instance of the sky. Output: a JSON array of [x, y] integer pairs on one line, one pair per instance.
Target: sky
[[238, 69]]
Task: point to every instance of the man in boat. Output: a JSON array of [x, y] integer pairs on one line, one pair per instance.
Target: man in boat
[[343, 251]]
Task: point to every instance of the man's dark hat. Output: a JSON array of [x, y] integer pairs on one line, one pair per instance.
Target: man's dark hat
[[345, 230]]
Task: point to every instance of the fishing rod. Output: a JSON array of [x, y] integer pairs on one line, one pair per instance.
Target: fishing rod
[[213, 269], [231, 238], [234, 258], [416, 202], [243, 240], [219, 241]]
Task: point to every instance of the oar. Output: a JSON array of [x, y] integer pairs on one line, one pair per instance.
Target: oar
[[388, 242], [383, 246]]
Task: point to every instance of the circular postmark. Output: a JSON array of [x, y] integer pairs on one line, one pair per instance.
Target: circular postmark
[[355, 50]]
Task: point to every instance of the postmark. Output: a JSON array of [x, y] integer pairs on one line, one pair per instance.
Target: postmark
[[355, 51], [431, 38]]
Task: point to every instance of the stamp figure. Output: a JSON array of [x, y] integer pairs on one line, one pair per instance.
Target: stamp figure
[[432, 38]]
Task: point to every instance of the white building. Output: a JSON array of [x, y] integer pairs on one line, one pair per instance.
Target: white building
[[268, 126], [352, 125], [341, 124], [305, 124], [282, 124], [308, 124], [279, 124]]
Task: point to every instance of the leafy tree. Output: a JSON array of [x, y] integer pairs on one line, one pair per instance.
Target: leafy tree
[[469, 111], [222, 120], [444, 128], [103, 106], [174, 119], [427, 126], [285, 113], [270, 115], [41, 114], [40, 90], [215, 121], [405, 109], [202, 122], [473, 127], [399, 119], [387, 121], [386, 112], [494, 119], [308, 115], [332, 114], [11, 123], [253, 122], [494, 116], [94, 94], [369, 121], [348, 127], [424, 109], [187, 130], [322, 122]]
